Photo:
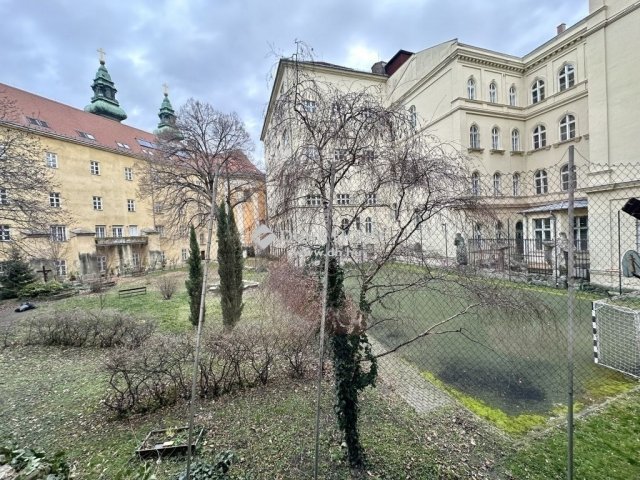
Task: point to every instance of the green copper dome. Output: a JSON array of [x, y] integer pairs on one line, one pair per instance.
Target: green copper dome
[[104, 101]]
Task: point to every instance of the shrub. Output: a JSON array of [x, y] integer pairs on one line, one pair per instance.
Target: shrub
[[218, 470], [167, 286], [41, 289], [79, 328], [7, 336], [34, 464], [17, 274]]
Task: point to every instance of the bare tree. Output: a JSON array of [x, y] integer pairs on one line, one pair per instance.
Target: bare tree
[[25, 180], [353, 177]]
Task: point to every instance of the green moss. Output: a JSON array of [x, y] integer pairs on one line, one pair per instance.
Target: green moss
[[608, 386], [514, 424]]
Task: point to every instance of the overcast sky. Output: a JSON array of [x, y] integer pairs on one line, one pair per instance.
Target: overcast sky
[[224, 52]]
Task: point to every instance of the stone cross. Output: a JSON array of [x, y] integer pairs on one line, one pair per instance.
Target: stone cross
[[101, 54], [44, 273]]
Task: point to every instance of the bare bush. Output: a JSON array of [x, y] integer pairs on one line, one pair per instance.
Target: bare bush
[[168, 285], [79, 328], [7, 336]]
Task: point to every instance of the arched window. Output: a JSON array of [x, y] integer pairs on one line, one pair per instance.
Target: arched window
[[474, 137], [515, 140], [516, 184], [512, 96], [345, 225], [539, 137], [493, 92], [564, 178], [567, 127], [471, 89], [537, 91], [495, 138], [566, 76], [497, 184], [475, 184], [499, 229], [368, 225], [413, 116], [540, 182]]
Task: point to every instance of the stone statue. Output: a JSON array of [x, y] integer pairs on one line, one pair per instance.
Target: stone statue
[[461, 249]]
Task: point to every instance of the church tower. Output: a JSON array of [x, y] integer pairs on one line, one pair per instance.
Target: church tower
[[167, 126], [104, 101]]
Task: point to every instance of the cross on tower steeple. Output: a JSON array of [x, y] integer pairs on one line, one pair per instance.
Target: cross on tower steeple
[[101, 55], [165, 89]]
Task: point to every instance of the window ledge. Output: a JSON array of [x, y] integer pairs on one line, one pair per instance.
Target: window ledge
[[499, 151], [569, 140], [477, 150], [519, 153], [548, 147]]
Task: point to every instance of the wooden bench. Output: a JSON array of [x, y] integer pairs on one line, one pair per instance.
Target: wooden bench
[[128, 292]]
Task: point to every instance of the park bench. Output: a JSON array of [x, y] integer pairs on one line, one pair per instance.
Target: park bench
[[128, 292]]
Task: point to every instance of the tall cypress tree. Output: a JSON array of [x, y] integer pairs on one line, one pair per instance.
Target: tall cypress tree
[[17, 274], [230, 264], [194, 282]]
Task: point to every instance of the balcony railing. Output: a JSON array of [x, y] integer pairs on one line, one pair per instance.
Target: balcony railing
[[111, 241]]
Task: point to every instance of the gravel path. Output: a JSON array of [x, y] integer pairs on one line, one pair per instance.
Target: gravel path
[[405, 381]]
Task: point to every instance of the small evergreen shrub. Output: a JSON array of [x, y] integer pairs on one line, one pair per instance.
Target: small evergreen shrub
[[41, 289]]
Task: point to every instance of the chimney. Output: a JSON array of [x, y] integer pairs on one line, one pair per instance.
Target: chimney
[[379, 68], [561, 28]]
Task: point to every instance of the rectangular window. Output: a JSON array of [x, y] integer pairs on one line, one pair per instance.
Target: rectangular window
[[5, 233], [61, 268], [97, 203], [117, 231], [133, 230], [102, 264], [86, 135], [128, 173], [160, 230], [58, 233], [541, 231], [131, 205], [313, 200], [94, 167], [37, 122], [157, 208], [309, 105], [4, 198], [54, 199], [52, 160], [339, 155], [581, 233], [135, 259], [343, 199], [371, 199], [101, 231], [185, 254]]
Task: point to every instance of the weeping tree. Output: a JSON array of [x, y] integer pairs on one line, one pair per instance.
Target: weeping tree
[[354, 176], [195, 278], [230, 264]]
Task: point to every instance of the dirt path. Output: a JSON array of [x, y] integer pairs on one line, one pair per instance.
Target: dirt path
[[405, 381]]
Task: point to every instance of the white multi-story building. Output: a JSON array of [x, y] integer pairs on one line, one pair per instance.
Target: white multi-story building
[[515, 118]]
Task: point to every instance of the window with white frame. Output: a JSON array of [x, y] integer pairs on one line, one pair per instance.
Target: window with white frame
[[471, 89], [566, 76], [371, 199], [131, 205], [539, 137], [344, 225], [474, 137], [495, 138], [51, 159], [581, 233], [541, 182], [313, 200], [94, 167], [537, 91], [5, 233], [54, 199], [564, 178], [102, 263], [4, 197], [61, 268], [97, 203], [185, 254], [493, 92], [567, 127], [515, 140], [499, 227], [157, 208], [497, 184], [513, 98], [343, 199], [163, 258], [128, 173], [516, 184], [133, 230], [311, 153], [475, 184], [135, 259], [368, 225], [309, 106], [339, 155], [101, 231], [541, 231], [160, 230], [58, 233], [117, 231], [413, 116]]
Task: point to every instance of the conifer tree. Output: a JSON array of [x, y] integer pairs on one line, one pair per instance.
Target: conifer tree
[[230, 264], [194, 282], [17, 274]]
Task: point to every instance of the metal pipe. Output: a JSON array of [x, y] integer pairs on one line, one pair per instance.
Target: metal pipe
[[571, 298]]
